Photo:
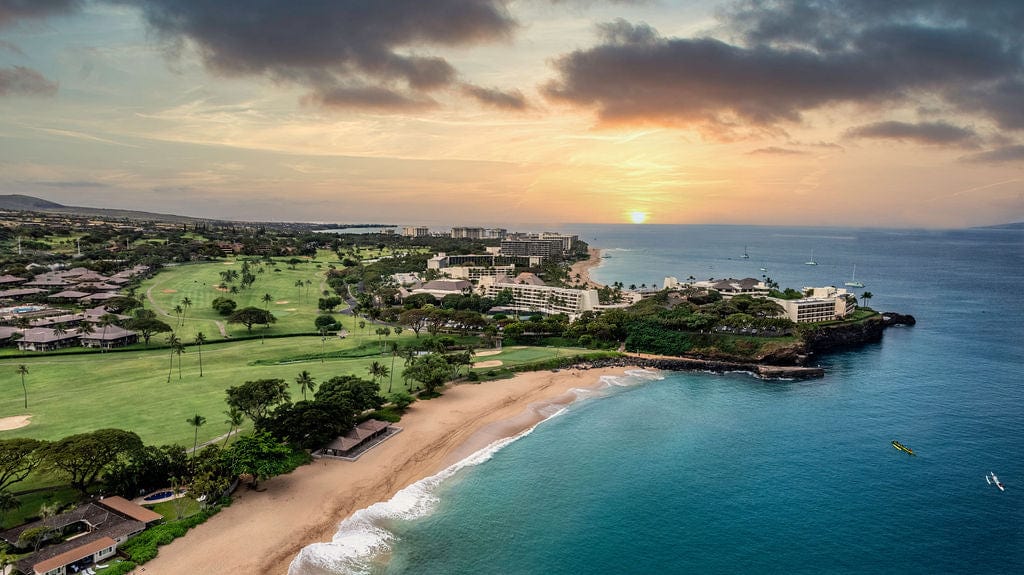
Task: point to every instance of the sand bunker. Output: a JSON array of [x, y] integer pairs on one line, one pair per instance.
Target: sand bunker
[[218, 288], [14, 422], [282, 302], [488, 352], [168, 291], [292, 309], [491, 363]]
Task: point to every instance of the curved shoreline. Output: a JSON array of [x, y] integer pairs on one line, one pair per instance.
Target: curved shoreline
[[263, 532], [583, 268]]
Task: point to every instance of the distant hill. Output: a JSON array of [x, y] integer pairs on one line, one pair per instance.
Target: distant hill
[[18, 202], [1010, 226], [22, 203]]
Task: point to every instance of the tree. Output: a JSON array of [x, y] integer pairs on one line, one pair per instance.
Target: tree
[[82, 457], [234, 421], [186, 302], [18, 458], [353, 392], [148, 327], [866, 297], [306, 383], [257, 398], [223, 305], [378, 370], [199, 341], [178, 310], [173, 341], [431, 370], [8, 502], [267, 298], [249, 316], [196, 421], [258, 455], [23, 371], [179, 348]]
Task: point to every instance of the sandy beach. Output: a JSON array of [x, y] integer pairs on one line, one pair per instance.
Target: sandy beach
[[261, 532], [583, 267]]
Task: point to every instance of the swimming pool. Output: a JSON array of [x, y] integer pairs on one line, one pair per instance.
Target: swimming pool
[[159, 495]]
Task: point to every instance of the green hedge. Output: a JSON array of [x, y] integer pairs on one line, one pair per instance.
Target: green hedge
[[143, 547]]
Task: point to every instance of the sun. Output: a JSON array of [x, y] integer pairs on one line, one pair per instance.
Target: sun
[[638, 217]]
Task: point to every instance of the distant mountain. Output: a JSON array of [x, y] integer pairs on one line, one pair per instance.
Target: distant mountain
[[18, 202], [1010, 226], [22, 203]]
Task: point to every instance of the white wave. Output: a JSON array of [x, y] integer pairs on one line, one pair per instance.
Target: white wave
[[363, 535]]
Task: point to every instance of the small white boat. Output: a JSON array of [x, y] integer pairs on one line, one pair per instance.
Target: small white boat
[[993, 480], [811, 261], [745, 255], [853, 279]]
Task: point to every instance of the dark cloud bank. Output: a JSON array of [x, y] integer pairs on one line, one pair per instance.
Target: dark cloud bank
[[787, 57]]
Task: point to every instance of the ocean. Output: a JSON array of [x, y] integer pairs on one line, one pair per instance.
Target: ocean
[[705, 473]]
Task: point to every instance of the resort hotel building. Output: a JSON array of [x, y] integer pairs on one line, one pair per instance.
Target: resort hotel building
[[818, 304], [531, 297]]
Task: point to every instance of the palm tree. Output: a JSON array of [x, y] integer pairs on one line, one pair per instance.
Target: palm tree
[[59, 332], [234, 421], [299, 284], [178, 310], [106, 320], [199, 341], [306, 383], [308, 283], [186, 302], [394, 354], [24, 371], [378, 370], [267, 298], [196, 421], [865, 298], [172, 341], [179, 348]]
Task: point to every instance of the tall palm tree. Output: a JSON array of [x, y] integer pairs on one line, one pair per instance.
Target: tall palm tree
[[59, 331], [172, 341], [866, 297], [179, 348], [299, 284], [186, 302], [308, 283], [267, 298], [234, 421], [306, 383], [199, 341], [106, 320], [196, 421], [24, 371], [178, 310], [394, 354]]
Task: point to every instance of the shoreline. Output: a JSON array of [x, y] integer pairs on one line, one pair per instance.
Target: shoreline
[[262, 532], [583, 268]]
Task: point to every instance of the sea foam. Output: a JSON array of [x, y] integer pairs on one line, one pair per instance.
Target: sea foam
[[364, 536]]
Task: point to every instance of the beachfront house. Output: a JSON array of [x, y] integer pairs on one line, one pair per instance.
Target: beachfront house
[[79, 539], [358, 439]]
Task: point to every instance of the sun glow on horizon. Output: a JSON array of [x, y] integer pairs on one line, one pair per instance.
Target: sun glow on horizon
[[638, 217]]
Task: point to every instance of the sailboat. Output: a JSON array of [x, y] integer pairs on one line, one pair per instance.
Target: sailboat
[[811, 261], [853, 279], [745, 255], [991, 479]]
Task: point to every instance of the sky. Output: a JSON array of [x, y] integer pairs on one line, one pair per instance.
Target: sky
[[487, 112]]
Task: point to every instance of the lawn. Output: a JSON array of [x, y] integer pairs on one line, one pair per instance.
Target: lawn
[[294, 307]]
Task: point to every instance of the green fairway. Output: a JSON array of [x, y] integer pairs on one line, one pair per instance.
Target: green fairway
[[130, 390], [294, 306]]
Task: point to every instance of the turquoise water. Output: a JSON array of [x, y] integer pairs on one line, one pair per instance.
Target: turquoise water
[[702, 473]]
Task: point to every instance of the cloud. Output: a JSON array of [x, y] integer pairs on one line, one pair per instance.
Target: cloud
[[22, 81], [776, 151], [345, 52], [507, 100], [1003, 155], [929, 133], [12, 11], [783, 58]]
